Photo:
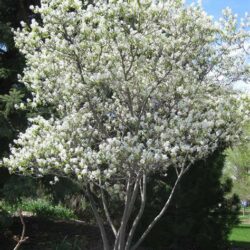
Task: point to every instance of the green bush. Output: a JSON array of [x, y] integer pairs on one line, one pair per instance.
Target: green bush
[[44, 208], [40, 208]]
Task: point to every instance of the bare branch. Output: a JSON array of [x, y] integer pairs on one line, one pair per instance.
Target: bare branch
[[157, 218], [22, 238], [130, 209], [139, 215], [98, 220], [134, 194], [127, 201], [105, 206]]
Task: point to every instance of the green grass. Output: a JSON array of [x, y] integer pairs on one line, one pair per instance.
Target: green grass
[[240, 235]]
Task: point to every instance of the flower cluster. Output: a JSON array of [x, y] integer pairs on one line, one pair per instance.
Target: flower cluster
[[136, 87]]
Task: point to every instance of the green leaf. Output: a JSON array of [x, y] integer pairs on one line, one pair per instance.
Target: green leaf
[[10, 100]]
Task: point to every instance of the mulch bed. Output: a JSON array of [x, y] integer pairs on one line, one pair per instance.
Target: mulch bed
[[45, 234]]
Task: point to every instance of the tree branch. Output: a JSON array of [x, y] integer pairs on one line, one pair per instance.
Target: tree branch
[[127, 200], [105, 206], [139, 215], [157, 218], [22, 238], [99, 220], [129, 211], [88, 97]]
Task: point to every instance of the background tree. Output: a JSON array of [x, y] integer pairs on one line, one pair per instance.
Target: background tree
[[135, 89], [238, 166], [12, 92], [14, 188], [11, 64]]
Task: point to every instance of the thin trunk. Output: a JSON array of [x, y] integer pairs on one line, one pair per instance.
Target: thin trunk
[[127, 214], [105, 207], [157, 218], [99, 221], [127, 200], [139, 215]]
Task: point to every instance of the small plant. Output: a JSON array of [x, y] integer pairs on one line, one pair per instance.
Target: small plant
[[39, 207], [44, 208]]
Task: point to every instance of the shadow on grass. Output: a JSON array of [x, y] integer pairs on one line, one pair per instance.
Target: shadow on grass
[[243, 226], [245, 245]]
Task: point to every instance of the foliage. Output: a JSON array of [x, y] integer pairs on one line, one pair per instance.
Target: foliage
[[238, 166], [40, 207], [17, 188], [136, 88], [66, 192], [10, 101], [44, 208], [11, 64], [12, 92], [200, 217]]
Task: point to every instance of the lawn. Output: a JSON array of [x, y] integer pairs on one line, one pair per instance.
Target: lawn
[[240, 235]]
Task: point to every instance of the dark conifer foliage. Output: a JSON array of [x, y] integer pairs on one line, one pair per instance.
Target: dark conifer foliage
[[12, 91], [200, 216], [11, 64]]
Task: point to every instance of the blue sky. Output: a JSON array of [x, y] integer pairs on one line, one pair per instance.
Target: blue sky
[[214, 7]]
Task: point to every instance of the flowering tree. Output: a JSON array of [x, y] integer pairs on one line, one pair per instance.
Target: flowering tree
[[135, 88]]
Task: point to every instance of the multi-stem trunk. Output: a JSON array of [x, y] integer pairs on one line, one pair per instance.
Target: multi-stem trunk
[[123, 236]]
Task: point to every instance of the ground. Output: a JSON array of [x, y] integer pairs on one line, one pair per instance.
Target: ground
[[240, 235], [48, 234], [52, 235]]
